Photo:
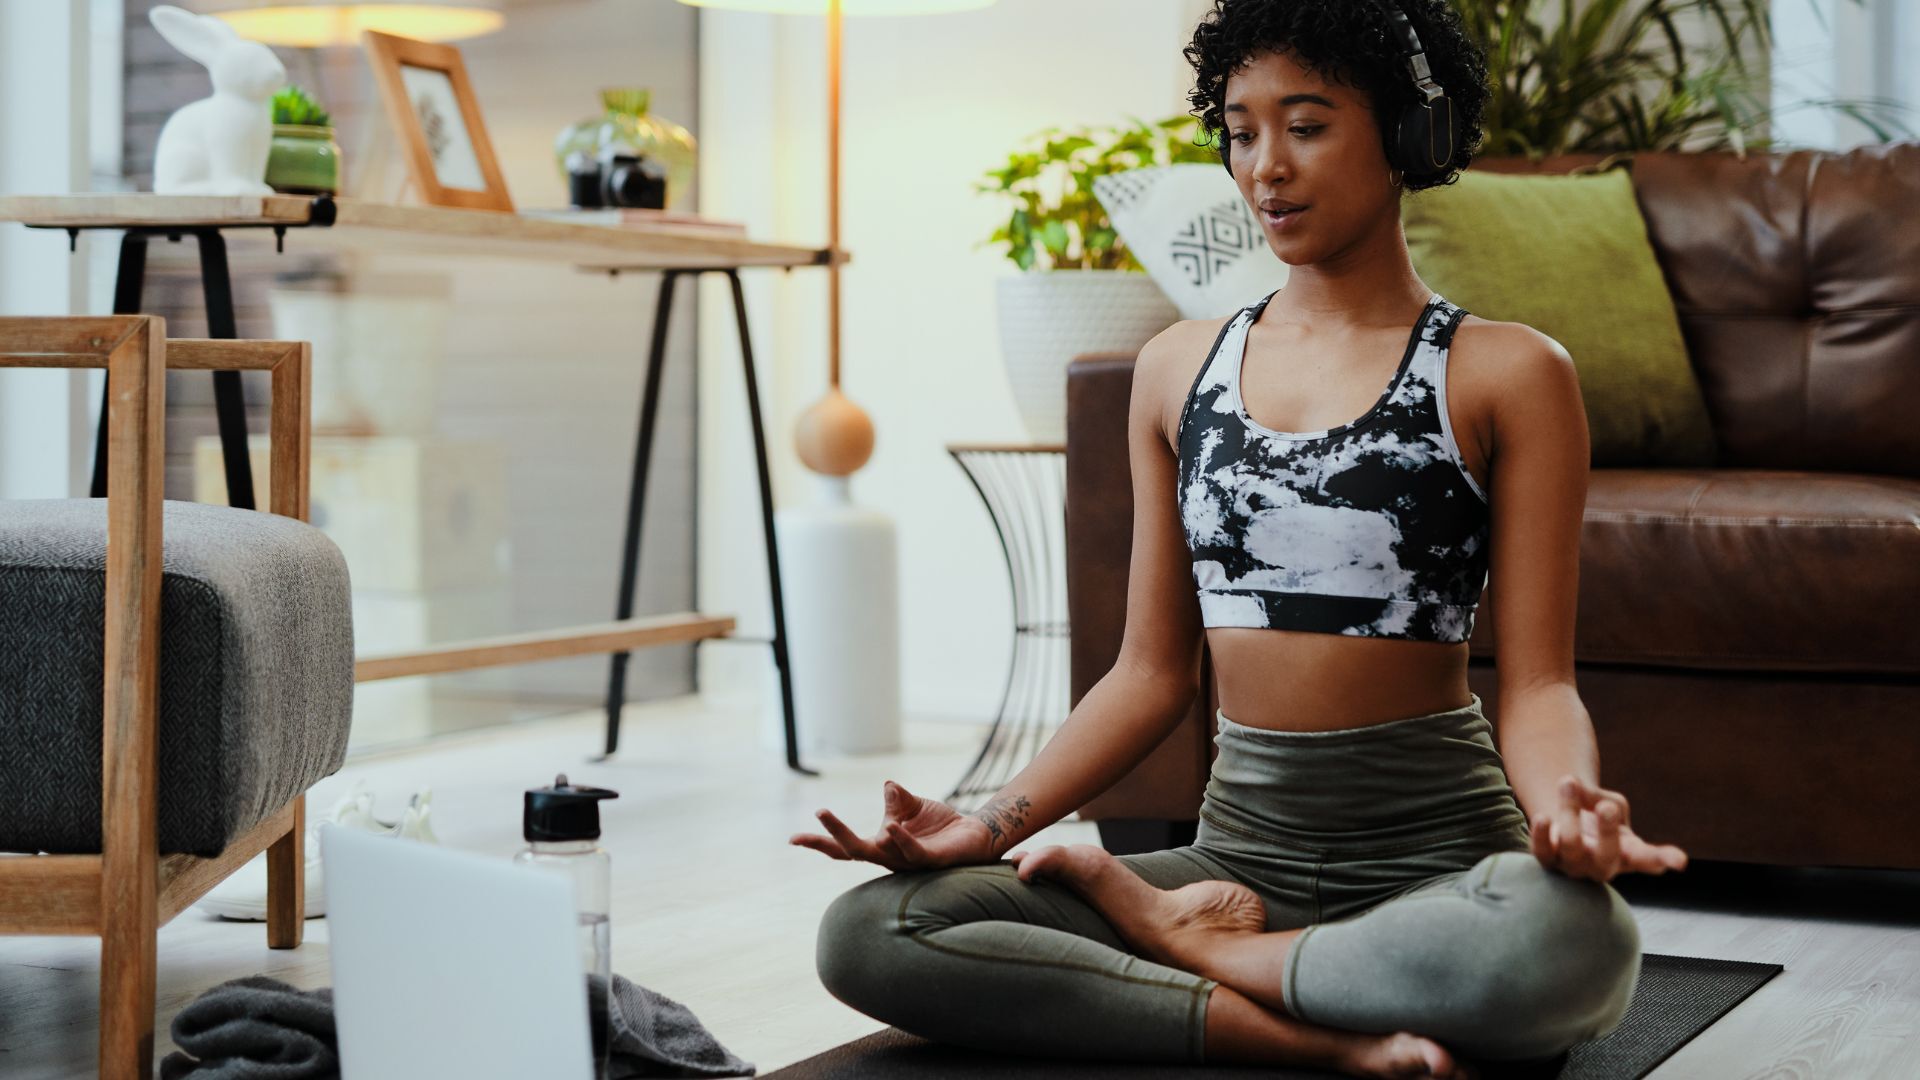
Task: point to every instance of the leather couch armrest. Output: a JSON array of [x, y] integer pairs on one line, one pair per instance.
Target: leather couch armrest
[[1170, 781]]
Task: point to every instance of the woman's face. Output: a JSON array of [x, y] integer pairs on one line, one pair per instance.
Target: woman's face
[[1298, 139]]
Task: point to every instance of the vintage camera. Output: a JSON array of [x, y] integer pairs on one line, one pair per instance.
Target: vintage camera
[[616, 179]]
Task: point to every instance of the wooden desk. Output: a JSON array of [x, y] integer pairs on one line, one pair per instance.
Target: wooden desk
[[353, 225]]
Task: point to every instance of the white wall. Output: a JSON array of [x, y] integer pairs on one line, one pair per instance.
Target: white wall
[[44, 50], [1838, 49], [930, 103]]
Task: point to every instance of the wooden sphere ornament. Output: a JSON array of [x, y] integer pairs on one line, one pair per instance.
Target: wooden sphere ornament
[[834, 436]]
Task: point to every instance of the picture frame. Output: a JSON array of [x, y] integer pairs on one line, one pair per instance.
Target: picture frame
[[431, 106]]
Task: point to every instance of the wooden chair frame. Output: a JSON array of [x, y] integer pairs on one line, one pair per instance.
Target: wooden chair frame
[[128, 891]]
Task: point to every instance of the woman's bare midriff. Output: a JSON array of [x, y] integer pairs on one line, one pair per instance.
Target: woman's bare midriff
[[1293, 680]]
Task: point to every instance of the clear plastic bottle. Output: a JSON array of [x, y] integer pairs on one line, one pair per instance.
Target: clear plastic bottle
[[562, 826]]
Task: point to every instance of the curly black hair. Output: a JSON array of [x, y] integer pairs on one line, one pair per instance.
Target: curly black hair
[[1349, 42]]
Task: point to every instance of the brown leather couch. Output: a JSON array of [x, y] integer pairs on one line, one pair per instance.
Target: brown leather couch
[[1748, 635]]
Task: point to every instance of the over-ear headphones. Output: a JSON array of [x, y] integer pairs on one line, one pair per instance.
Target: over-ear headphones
[[1425, 139]]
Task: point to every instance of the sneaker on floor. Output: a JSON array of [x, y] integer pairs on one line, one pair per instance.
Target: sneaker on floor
[[243, 895]]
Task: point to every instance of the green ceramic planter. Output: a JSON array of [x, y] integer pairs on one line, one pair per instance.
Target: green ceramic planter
[[304, 161]]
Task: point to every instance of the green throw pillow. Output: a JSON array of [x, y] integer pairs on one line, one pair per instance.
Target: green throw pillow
[[1568, 255]]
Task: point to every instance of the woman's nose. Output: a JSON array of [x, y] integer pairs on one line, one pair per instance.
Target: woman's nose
[[1271, 162]]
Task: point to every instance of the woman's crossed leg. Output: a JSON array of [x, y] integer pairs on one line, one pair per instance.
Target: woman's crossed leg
[[1503, 960], [1102, 963]]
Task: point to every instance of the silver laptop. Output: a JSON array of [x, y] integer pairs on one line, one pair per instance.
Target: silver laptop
[[450, 964]]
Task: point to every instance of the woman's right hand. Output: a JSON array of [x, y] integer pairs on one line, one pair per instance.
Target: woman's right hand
[[917, 834]]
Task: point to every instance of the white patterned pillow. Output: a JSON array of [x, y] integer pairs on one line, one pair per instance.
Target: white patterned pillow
[[1188, 225]]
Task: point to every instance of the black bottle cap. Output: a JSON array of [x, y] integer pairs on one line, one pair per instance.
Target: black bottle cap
[[563, 811]]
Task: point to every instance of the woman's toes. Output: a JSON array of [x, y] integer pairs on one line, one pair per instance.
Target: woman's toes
[[1089, 861], [1044, 862], [1079, 865], [1403, 1054]]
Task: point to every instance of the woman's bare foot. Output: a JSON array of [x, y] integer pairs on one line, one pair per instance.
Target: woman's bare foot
[[1241, 1031], [1403, 1054], [1176, 927], [1218, 929]]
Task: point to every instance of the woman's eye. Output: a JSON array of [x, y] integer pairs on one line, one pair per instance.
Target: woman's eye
[[1305, 132], [1248, 134]]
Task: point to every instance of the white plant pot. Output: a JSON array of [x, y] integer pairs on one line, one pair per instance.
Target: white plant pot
[[1049, 317], [377, 350]]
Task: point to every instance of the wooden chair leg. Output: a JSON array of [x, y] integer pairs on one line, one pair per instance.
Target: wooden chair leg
[[287, 883], [129, 852], [129, 924]]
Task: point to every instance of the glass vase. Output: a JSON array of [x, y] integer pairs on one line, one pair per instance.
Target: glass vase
[[627, 127]]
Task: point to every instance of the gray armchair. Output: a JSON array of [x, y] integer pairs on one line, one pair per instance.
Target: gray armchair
[[163, 710]]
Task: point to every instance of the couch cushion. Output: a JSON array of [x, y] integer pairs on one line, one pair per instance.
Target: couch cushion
[[1569, 256], [1187, 225], [1746, 569], [256, 671], [1797, 280]]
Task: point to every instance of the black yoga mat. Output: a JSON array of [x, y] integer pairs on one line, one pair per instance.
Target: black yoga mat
[[1676, 998]]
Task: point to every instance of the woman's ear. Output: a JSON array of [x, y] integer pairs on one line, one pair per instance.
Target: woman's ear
[[200, 37]]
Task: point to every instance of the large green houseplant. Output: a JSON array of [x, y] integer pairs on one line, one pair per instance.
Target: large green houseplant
[[1055, 223], [1610, 76]]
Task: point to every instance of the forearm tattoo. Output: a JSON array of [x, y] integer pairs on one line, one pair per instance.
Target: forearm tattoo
[[1003, 815]]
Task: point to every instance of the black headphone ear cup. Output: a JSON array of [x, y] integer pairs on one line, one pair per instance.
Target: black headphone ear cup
[[1427, 142]]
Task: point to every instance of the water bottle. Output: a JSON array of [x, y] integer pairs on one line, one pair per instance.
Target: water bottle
[[561, 824]]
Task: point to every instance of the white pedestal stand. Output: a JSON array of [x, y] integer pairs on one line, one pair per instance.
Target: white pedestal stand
[[839, 567]]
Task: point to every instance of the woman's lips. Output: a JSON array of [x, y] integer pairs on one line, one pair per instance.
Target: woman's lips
[[1283, 221]]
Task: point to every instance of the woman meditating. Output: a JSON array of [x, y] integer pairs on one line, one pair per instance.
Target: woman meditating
[[1377, 884]]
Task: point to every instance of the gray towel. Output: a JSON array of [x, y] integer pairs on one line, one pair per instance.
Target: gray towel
[[259, 1028], [654, 1035], [256, 1028]]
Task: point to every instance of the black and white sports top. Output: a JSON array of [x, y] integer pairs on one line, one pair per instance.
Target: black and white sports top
[[1374, 528]]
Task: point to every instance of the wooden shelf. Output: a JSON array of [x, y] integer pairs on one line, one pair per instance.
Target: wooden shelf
[[415, 230], [611, 637]]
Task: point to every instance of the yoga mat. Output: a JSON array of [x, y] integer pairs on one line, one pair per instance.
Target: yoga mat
[[1676, 998]]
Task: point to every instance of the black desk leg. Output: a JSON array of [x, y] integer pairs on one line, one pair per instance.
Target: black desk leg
[[127, 286], [228, 396], [766, 525], [637, 501], [229, 400]]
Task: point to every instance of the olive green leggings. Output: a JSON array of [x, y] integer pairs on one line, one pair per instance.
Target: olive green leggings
[[1398, 846]]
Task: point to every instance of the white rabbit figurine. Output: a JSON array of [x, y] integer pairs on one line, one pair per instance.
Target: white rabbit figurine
[[219, 144]]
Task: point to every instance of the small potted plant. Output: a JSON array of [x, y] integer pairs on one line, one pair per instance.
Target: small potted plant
[[305, 159], [1079, 290]]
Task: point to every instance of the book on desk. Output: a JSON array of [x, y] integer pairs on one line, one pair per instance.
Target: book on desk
[[635, 216]]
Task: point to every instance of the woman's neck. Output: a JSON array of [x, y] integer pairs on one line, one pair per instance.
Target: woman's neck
[[1370, 283]]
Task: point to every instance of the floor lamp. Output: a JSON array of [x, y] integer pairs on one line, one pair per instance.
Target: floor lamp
[[843, 601]]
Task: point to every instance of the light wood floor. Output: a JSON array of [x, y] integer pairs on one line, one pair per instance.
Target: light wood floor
[[715, 910]]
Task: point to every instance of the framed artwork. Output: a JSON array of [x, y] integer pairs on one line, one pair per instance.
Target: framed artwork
[[434, 113]]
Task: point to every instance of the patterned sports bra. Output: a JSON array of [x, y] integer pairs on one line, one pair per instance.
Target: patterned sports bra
[[1374, 528]]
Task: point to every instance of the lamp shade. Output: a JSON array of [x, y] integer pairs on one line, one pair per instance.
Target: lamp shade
[[847, 7], [322, 22]]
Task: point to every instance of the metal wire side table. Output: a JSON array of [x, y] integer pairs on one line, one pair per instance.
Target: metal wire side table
[[1024, 489]]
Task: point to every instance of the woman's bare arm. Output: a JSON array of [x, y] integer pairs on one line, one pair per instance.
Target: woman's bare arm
[[1538, 498], [1134, 706]]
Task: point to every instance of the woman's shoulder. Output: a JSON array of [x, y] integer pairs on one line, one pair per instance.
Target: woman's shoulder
[[1170, 364], [1490, 362], [1504, 347], [1185, 331], [1175, 355]]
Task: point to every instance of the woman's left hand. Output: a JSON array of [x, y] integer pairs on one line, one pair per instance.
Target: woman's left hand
[[1589, 837]]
